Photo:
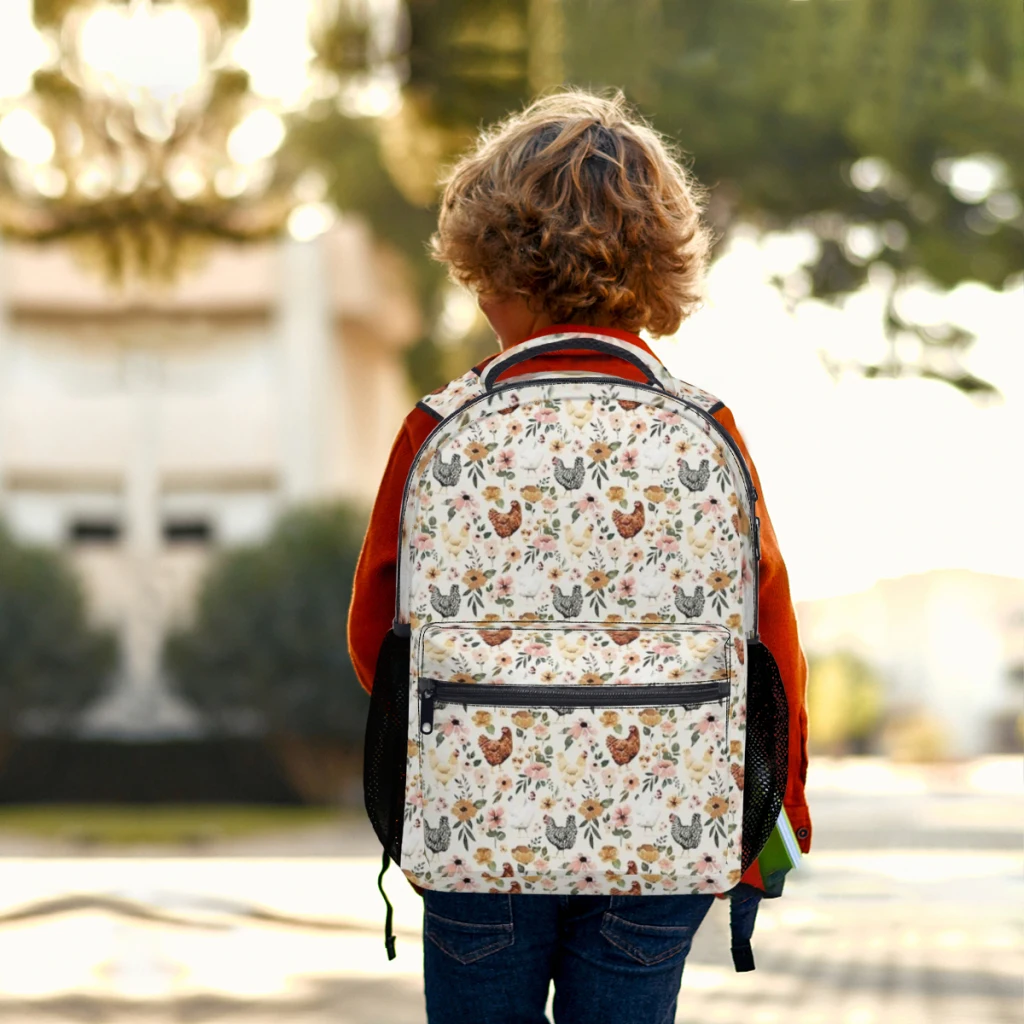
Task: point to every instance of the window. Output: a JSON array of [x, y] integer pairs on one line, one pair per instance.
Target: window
[[188, 531], [94, 530]]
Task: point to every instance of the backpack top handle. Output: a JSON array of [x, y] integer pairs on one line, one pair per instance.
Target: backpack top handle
[[569, 342]]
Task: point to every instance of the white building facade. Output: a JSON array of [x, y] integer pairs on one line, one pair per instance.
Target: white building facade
[[143, 431]]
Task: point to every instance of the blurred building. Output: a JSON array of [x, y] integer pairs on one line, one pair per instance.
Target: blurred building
[[142, 431], [948, 644]]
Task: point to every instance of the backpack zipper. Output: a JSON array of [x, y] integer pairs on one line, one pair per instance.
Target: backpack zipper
[[716, 427], [564, 697]]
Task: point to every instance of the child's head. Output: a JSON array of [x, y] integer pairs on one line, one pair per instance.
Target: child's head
[[580, 208]]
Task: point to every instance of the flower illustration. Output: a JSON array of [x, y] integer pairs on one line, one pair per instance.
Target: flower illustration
[[655, 493], [663, 769], [580, 863], [535, 650], [475, 451], [648, 853], [506, 459], [596, 579], [503, 586], [495, 818], [474, 579], [544, 542], [466, 500], [718, 580], [589, 504], [636, 555], [718, 455], [480, 777], [630, 782], [627, 587], [482, 718], [650, 716], [536, 771], [710, 723], [615, 493], [599, 451], [456, 866], [522, 719], [483, 855], [674, 802], [423, 542], [464, 810], [455, 726], [717, 806], [513, 554], [706, 864], [588, 883], [608, 719], [523, 854], [638, 426], [531, 493], [547, 803], [607, 853], [590, 680], [666, 543], [581, 727], [590, 809], [543, 414], [504, 783], [630, 458], [491, 493], [464, 884], [621, 815]]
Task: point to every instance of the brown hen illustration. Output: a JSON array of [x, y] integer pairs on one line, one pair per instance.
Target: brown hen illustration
[[506, 523], [496, 751], [623, 751], [623, 636], [629, 525], [493, 637]]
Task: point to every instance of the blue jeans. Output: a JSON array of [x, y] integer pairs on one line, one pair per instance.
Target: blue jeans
[[490, 958]]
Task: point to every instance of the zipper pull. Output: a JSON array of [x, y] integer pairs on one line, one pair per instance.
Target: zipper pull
[[426, 688]]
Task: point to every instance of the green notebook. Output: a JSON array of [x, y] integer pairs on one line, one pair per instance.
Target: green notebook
[[780, 854]]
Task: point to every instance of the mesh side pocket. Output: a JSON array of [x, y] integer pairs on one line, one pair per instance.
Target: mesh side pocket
[[384, 754], [767, 752]]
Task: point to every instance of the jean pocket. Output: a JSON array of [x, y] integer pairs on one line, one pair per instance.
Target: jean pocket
[[647, 944], [468, 926]]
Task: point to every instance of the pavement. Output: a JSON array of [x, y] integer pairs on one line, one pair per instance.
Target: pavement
[[908, 910]]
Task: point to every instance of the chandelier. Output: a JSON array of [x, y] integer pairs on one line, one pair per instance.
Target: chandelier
[[146, 132]]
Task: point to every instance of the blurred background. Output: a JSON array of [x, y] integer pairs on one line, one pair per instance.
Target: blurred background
[[216, 307]]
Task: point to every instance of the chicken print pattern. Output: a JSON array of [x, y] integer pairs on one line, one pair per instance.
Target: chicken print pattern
[[585, 536], [569, 798]]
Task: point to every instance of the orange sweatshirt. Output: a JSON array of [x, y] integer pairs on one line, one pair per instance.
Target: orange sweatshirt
[[373, 596]]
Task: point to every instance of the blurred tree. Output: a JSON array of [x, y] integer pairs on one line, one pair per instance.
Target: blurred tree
[[893, 130], [268, 636], [844, 703], [52, 663]]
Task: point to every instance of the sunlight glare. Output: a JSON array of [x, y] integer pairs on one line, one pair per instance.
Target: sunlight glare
[[25, 137], [274, 49], [255, 137], [22, 49]]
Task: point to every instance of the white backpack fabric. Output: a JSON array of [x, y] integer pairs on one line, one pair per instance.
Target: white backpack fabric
[[564, 700]]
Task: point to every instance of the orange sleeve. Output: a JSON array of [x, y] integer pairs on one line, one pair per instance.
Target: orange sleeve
[[778, 629], [373, 591]]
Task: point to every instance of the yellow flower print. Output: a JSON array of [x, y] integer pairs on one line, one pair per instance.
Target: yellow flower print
[[599, 451], [608, 853], [482, 718], [608, 720], [734, 621], [590, 679], [491, 493], [615, 493], [717, 806], [483, 855], [531, 493], [650, 716], [475, 579], [522, 719], [648, 853], [523, 854], [475, 451], [590, 809], [655, 493], [596, 579], [464, 810]]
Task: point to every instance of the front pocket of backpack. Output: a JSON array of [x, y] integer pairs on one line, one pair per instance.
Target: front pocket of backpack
[[553, 785]]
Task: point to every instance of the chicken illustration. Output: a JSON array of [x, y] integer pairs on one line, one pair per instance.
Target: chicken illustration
[[654, 456], [695, 479], [697, 769], [561, 837], [691, 607], [497, 751], [633, 890], [509, 409], [507, 871], [520, 816], [700, 546], [531, 456], [571, 651], [568, 607], [455, 542], [580, 417], [738, 648], [571, 771], [621, 637], [700, 649], [738, 774], [447, 475], [629, 525], [495, 637], [437, 839], [529, 583], [651, 585], [687, 836], [648, 816], [446, 604], [439, 650], [631, 867], [506, 523], [443, 771], [578, 545], [623, 751], [628, 406], [570, 479]]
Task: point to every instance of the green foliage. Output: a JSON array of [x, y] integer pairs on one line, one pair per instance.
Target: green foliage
[[52, 663], [844, 704], [269, 632]]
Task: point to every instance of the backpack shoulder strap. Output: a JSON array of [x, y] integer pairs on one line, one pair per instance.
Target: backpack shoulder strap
[[697, 396], [453, 396]]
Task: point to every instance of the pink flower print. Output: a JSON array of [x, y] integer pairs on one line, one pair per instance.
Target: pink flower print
[[668, 727], [496, 818], [455, 726], [549, 504], [665, 864], [666, 544], [503, 586], [547, 883], [504, 660], [536, 771], [465, 500], [589, 505], [465, 884], [614, 550], [545, 542], [615, 422], [630, 782], [542, 414], [417, 798], [710, 723], [630, 458], [706, 864], [506, 459], [668, 417], [491, 549], [627, 587], [535, 650], [622, 813], [582, 727], [581, 863], [665, 649], [638, 426], [423, 542], [480, 777], [712, 506], [672, 505], [608, 777], [541, 731], [663, 770], [631, 659], [456, 866], [668, 883], [587, 884], [540, 864], [636, 555]]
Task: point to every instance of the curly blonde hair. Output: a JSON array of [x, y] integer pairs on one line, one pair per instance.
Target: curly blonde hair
[[579, 206]]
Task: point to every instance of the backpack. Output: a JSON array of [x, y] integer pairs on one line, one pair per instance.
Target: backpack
[[573, 698]]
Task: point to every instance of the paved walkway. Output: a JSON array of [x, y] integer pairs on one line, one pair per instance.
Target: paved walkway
[[909, 911]]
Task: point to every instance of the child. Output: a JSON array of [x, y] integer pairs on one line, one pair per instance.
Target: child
[[572, 214]]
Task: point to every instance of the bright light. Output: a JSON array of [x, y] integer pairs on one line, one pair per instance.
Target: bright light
[[25, 137], [869, 173], [156, 53], [310, 220], [22, 49], [971, 179], [274, 49], [256, 137]]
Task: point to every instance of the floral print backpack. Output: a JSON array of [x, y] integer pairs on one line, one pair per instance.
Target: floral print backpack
[[573, 698]]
